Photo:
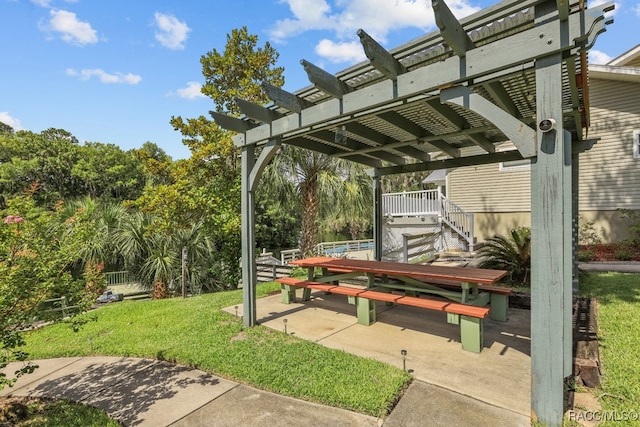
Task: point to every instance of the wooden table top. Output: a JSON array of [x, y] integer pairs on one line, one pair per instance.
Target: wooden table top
[[461, 274]]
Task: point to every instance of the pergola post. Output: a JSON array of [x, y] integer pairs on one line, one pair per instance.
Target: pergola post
[[377, 216], [252, 169], [248, 258], [551, 250]]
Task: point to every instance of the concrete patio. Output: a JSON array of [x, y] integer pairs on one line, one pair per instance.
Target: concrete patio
[[499, 376]]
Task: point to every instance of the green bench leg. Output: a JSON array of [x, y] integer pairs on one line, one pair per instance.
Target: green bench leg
[[306, 294], [288, 293], [499, 307], [366, 309], [471, 332]]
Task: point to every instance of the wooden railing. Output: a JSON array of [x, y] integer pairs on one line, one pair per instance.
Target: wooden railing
[[418, 247], [55, 309], [430, 202]]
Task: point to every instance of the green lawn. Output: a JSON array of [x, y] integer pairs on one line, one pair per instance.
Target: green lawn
[[195, 332], [619, 333]]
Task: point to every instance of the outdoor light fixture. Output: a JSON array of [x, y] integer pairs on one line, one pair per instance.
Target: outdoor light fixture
[[404, 359], [547, 125], [285, 325]]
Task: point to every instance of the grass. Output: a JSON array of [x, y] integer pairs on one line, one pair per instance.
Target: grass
[[34, 412], [618, 296], [196, 332]]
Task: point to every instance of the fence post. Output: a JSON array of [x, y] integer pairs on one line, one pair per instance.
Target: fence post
[[405, 248], [184, 271]]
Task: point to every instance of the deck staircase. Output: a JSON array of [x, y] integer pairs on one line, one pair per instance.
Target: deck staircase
[[437, 215]]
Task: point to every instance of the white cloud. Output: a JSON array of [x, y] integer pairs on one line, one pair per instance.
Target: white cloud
[[6, 118], [345, 17], [597, 57], [340, 52], [104, 77], [42, 3], [192, 91], [70, 28], [636, 9], [171, 33]]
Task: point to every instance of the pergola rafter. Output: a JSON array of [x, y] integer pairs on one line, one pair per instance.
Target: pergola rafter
[[490, 78]]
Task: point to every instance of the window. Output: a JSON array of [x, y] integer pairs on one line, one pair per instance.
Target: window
[[515, 165], [636, 144]]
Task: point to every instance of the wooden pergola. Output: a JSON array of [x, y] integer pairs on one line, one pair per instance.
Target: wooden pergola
[[516, 71]]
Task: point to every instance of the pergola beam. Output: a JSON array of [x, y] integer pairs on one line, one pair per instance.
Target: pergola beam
[[322, 148], [522, 136], [449, 116], [452, 32], [231, 123], [380, 58], [501, 97], [328, 83], [353, 145], [285, 99], [481, 159], [257, 112]]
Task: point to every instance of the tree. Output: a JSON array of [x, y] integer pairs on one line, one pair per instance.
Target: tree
[[6, 129], [106, 171], [206, 187], [318, 181], [27, 158], [38, 248], [239, 71]]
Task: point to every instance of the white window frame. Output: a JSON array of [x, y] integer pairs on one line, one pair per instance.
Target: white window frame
[[636, 144], [515, 165]]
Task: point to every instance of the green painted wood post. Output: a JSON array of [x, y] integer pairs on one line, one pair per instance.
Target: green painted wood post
[[248, 258], [366, 310], [377, 216], [471, 333], [499, 307], [551, 272]]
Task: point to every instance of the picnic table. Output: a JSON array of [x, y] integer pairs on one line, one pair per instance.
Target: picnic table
[[461, 292]]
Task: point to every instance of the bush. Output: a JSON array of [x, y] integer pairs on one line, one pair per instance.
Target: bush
[[585, 256], [511, 253]]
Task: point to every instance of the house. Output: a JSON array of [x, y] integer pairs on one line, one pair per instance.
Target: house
[[499, 195]]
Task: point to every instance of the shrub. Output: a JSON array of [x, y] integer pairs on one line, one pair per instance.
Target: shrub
[[634, 228], [623, 254], [585, 256], [587, 233], [511, 253]]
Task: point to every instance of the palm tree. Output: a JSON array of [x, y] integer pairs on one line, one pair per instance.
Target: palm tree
[[511, 253], [154, 256], [106, 218], [319, 184]]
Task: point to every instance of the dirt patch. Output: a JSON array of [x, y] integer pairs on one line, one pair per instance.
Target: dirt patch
[[242, 335]]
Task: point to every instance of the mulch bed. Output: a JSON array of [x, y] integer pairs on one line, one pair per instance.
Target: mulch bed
[[611, 252]]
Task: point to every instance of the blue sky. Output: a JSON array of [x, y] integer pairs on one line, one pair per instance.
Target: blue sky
[[115, 71]]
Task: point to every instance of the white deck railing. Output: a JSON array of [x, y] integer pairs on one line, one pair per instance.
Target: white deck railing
[[412, 203], [430, 202]]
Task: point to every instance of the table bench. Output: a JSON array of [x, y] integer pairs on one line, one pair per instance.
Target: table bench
[[499, 297], [496, 296], [470, 318]]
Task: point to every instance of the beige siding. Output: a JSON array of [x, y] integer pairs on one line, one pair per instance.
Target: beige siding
[[487, 189], [609, 175]]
